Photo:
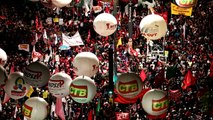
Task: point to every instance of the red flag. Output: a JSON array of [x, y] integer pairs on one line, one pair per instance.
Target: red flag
[[175, 95], [6, 98], [189, 80], [123, 100], [159, 78], [59, 109], [37, 23], [90, 115], [122, 116], [164, 15], [133, 52], [143, 75], [211, 70], [36, 54]]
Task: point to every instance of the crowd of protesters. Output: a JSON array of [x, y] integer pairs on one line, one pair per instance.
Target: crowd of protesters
[[190, 50]]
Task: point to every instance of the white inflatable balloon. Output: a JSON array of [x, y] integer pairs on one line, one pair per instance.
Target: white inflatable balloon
[[59, 84], [186, 3], [37, 74], [3, 75], [153, 27], [82, 89], [48, 3], [34, 0], [86, 63], [35, 108], [128, 85], [3, 57], [105, 24], [61, 3], [15, 86], [155, 102]]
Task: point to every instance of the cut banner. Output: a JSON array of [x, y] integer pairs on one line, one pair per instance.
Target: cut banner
[[25, 47], [74, 40], [176, 10]]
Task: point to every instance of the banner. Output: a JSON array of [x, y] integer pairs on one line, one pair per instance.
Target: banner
[[122, 116], [25, 47], [176, 10], [74, 40], [61, 21], [56, 20], [97, 9]]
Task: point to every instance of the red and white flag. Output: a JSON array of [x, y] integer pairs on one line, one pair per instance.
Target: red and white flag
[[35, 55]]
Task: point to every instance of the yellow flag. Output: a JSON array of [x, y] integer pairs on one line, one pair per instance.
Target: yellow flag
[[110, 100], [55, 19], [119, 42], [30, 91], [176, 10], [166, 53], [45, 94]]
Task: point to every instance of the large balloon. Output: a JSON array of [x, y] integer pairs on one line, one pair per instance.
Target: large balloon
[[82, 89], [86, 63], [3, 75], [105, 24], [15, 86], [61, 3], [37, 74], [153, 27], [128, 85], [34, 0], [35, 108], [3, 57], [155, 102], [186, 3], [48, 3], [59, 84]]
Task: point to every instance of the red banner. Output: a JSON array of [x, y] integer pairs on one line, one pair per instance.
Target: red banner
[[123, 100], [122, 116]]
